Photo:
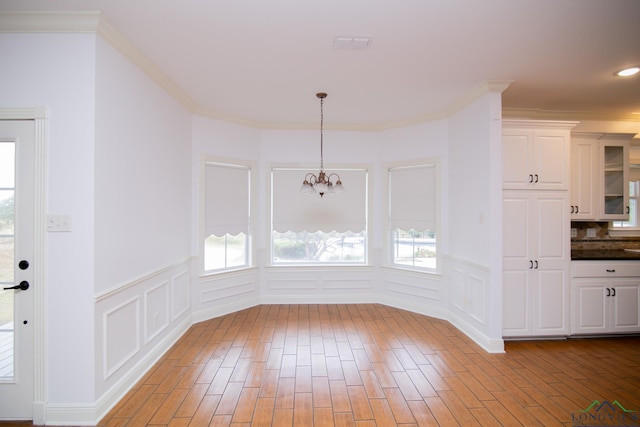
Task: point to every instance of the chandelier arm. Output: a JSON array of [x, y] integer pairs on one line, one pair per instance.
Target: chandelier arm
[[333, 174], [311, 178]]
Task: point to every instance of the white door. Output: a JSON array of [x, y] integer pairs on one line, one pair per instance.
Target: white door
[[17, 145]]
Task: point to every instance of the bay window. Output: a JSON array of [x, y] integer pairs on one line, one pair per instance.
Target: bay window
[[413, 206], [309, 229], [227, 204]]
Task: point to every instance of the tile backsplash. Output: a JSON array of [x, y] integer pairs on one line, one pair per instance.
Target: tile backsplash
[[601, 239]]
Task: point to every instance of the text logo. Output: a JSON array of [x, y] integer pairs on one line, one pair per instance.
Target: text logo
[[605, 414]]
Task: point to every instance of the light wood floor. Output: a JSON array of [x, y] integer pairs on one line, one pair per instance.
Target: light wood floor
[[371, 365]]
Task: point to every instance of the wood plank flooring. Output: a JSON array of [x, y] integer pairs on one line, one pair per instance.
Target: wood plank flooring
[[371, 365]]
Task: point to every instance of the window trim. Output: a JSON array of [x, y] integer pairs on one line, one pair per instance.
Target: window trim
[[270, 167], [388, 249], [251, 232]]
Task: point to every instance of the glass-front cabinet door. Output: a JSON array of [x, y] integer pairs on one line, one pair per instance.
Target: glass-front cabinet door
[[614, 180]]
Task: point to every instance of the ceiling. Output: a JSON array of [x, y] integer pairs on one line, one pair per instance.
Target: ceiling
[[261, 62]]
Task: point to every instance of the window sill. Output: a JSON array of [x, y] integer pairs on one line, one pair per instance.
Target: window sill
[[624, 232]]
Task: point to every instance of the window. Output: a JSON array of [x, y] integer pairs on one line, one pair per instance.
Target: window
[[227, 190], [634, 196], [309, 229], [413, 215]]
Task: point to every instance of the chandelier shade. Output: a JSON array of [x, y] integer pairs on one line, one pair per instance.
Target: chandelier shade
[[322, 183]]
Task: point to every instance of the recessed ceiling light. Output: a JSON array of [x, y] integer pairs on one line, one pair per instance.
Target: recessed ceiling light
[[627, 72]]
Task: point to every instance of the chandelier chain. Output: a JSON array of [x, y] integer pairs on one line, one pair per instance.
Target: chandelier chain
[[321, 133]]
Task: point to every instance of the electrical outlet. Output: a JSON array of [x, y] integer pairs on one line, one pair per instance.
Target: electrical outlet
[[591, 232], [58, 223], [574, 232]]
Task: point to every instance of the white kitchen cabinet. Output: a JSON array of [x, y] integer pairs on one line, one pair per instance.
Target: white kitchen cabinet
[[606, 297], [599, 177], [536, 155], [584, 178], [536, 263]]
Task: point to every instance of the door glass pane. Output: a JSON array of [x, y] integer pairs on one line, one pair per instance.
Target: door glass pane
[[7, 239], [7, 164]]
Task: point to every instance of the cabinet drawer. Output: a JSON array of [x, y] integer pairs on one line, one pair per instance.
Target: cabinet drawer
[[605, 269]]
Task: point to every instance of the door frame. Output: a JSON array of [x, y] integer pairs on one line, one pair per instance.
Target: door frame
[[40, 116]]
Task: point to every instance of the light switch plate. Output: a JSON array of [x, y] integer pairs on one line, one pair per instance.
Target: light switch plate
[[58, 223]]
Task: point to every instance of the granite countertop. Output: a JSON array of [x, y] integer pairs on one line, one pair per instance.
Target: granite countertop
[[604, 254]]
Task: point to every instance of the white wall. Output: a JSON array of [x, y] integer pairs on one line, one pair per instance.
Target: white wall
[[57, 71], [142, 173], [475, 207], [142, 219]]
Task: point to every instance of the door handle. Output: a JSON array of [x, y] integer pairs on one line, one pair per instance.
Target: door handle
[[536, 175], [23, 286], [536, 261], [573, 209], [530, 264], [613, 290], [530, 178], [608, 292]]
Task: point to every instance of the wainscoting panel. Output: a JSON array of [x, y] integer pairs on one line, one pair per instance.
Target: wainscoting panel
[[180, 294], [135, 324], [156, 309], [219, 294], [311, 285], [411, 285], [470, 303], [477, 294], [121, 340]]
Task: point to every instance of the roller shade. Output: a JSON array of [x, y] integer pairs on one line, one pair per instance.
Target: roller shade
[[412, 197], [294, 211], [226, 199]]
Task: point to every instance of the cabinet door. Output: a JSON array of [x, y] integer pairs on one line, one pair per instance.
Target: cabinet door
[[614, 180], [535, 263], [551, 159], [590, 307], [584, 183], [517, 263], [625, 304], [517, 162], [515, 299], [552, 255], [535, 159]]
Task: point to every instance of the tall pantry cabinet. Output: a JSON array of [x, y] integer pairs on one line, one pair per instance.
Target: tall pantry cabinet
[[536, 221]]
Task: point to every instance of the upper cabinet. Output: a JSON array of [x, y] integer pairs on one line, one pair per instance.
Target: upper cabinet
[[535, 155], [599, 177]]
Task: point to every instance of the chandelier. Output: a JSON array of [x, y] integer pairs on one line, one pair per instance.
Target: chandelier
[[322, 183]]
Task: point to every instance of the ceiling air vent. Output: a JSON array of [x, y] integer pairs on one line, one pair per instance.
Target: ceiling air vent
[[343, 42]]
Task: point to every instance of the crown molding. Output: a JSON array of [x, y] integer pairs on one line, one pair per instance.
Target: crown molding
[[92, 22], [49, 22], [539, 114]]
